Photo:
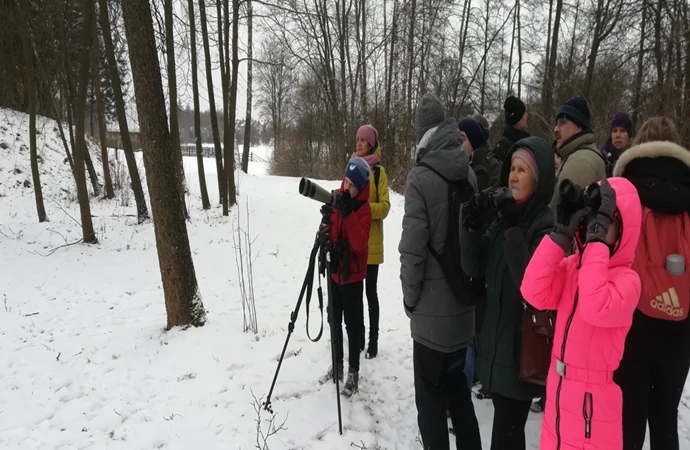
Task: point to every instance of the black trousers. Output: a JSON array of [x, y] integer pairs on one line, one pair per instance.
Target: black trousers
[[652, 375], [347, 301], [372, 301], [510, 418], [440, 383]]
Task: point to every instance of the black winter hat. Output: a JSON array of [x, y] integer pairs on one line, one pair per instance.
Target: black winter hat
[[474, 131], [429, 114], [514, 110], [576, 110]]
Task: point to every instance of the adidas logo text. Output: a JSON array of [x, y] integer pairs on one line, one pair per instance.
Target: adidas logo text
[[668, 303]]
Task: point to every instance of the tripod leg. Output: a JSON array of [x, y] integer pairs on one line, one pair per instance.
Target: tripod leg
[[331, 321]]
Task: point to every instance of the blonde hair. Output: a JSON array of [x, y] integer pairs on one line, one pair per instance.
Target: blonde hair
[[659, 128]]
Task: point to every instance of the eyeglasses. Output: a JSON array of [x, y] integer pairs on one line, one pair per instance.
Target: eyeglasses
[[561, 121]]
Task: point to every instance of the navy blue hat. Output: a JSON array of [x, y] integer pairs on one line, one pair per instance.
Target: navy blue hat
[[358, 171], [475, 132], [577, 111]]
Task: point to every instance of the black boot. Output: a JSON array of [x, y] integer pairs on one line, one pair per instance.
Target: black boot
[[373, 348], [362, 338]]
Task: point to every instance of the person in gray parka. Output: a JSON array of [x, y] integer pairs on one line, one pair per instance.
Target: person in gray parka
[[442, 327]]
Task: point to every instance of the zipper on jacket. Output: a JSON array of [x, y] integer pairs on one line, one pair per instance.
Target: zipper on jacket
[[588, 412], [560, 379]]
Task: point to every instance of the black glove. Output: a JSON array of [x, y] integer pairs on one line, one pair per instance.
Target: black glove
[[565, 228], [473, 215], [601, 219], [345, 204], [326, 211], [510, 211]]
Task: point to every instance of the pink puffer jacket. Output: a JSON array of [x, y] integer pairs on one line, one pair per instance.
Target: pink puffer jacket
[[595, 307]]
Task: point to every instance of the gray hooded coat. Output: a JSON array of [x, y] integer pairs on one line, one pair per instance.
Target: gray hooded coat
[[438, 320]]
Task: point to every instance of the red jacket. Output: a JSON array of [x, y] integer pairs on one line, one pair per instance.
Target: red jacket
[[355, 230]]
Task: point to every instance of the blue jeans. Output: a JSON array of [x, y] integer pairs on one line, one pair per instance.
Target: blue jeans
[[469, 365]]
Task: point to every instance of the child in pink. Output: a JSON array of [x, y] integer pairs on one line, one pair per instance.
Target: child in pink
[[595, 292]]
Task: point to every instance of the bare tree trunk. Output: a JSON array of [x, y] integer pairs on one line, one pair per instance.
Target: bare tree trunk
[[137, 189], [547, 103], [363, 62], [519, 39], [640, 68], [230, 137], [212, 106], [205, 202], [100, 112], [92, 172], [172, 90], [482, 102], [31, 88], [410, 59], [58, 116], [248, 115], [512, 47], [80, 150], [182, 298], [605, 21], [389, 81]]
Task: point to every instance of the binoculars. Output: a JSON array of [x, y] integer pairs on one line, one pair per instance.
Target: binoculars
[[574, 197], [492, 198]]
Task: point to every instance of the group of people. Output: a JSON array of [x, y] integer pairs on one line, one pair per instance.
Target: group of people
[[599, 236]]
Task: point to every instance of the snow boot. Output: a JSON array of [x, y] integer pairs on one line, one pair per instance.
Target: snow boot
[[538, 406], [482, 394], [329, 375], [351, 384]]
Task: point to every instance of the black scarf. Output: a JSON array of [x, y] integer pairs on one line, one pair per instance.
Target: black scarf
[[663, 183]]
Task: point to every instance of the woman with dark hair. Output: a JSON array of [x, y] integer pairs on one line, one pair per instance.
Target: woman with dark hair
[[501, 255], [656, 359]]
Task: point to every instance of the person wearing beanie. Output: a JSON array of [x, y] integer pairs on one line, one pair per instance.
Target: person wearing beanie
[[515, 115], [428, 115], [620, 137], [441, 324], [369, 149], [581, 161], [487, 168], [500, 255], [350, 224]]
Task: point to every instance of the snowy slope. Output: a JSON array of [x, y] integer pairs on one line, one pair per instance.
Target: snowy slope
[[85, 363]]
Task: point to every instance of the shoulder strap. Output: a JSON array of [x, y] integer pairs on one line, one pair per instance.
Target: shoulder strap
[[434, 170], [377, 177]]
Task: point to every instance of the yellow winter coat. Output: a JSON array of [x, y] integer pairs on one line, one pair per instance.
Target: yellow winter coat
[[380, 205]]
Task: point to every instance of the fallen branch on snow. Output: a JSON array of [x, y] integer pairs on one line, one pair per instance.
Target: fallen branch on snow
[[57, 248]]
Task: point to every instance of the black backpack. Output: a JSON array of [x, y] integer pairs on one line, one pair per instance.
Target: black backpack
[[459, 192]]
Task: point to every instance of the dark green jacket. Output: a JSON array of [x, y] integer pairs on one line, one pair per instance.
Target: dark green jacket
[[486, 166], [501, 256]]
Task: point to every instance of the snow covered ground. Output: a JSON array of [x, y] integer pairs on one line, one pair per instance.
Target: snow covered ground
[[85, 362]]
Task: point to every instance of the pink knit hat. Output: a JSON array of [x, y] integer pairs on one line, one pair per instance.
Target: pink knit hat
[[369, 134], [527, 156]]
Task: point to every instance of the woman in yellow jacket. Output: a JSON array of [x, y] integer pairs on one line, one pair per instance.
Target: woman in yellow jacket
[[369, 148]]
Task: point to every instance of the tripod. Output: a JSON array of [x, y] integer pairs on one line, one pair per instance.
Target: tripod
[[322, 249]]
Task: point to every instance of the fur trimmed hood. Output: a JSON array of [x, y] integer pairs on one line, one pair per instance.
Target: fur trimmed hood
[[653, 149], [660, 171]]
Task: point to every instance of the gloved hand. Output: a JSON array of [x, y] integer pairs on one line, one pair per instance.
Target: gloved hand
[[473, 214], [511, 213], [326, 211], [565, 228], [345, 204], [600, 220]]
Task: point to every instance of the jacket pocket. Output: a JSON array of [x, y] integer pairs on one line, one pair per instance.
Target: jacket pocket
[[587, 413]]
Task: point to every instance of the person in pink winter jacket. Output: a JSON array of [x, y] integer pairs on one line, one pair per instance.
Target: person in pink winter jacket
[[595, 292]]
